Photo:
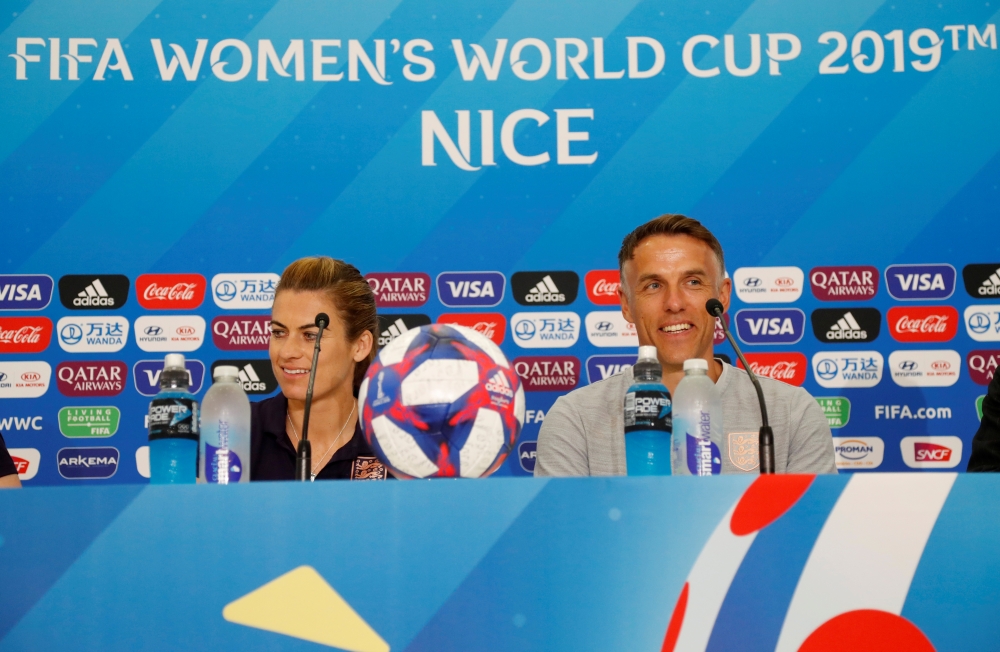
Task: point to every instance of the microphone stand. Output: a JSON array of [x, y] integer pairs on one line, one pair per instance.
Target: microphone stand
[[765, 443], [303, 456]]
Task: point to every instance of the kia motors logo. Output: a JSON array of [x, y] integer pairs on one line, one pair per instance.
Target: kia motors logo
[[922, 323], [925, 368], [931, 452], [91, 463], [399, 289], [242, 333], [244, 291], [97, 378], [556, 373], [545, 288], [844, 283], [609, 329], [982, 366], [174, 333], [602, 286], [146, 376], [858, 452], [848, 368], [556, 330], [768, 284], [93, 291], [392, 326], [787, 367], [982, 323], [170, 291], [770, 326], [25, 334], [24, 379], [526, 455], [490, 324], [846, 325], [459, 289], [256, 376], [26, 461], [916, 282], [982, 281], [31, 376], [25, 291], [602, 367]]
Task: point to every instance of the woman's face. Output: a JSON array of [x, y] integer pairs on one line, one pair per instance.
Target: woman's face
[[293, 336]]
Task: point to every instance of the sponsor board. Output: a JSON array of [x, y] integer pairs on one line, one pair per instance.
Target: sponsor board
[[536, 330], [96, 378], [979, 407], [931, 452], [242, 332], [837, 410], [491, 324], [8, 424], [244, 291], [720, 335], [545, 288], [602, 286], [476, 289], [170, 291], [787, 367], [25, 334], [846, 325], [146, 376], [770, 326], [256, 376], [608, 328], [24, 379], [848, 368], [768, 284], [922, 323], [526, 455], [548, 373], [173, 334], [142, 461], [858, 453], [982, 365], [844, 283], [982, 323], [26, 461], [920, 282], [906, 412], [93, 291], [105, 334], [982, 281], [925, 368], [99, 421], [399, 289], [392, 326], [25, 291], [601, 367], [88, 463]]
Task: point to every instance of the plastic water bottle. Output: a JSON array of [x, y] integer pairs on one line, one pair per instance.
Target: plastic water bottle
[[697, 422], [173, 427], [647, 418], [225, 429]]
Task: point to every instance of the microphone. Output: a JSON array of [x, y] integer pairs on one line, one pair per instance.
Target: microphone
[[303, 456], [765, 443]]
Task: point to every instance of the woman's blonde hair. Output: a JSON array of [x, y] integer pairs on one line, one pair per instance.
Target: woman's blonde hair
[[349, 292]]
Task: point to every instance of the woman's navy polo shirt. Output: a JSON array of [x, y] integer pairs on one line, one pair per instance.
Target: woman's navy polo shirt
[[272, 456]]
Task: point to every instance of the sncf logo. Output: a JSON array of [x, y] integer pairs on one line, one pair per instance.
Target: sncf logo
[[931, 452]]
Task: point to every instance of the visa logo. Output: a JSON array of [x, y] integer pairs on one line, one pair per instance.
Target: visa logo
[[920, 282], [471, 289], [773, 326], [456, 289], [25, 291], [907, 282], [777, 326], [601, 367]]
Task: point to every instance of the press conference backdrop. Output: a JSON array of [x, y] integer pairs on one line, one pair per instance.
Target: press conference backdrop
[[162, 161]]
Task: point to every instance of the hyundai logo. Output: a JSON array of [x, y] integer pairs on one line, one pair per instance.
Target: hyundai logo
[[3, 376], [979, 322], [153, 331], [225, 291], [71, 334], [752, 282], [524, 330], [907, 365], [826, 369], [603, 325]]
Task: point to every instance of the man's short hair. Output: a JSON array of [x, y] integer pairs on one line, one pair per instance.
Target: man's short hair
[[670, 224]]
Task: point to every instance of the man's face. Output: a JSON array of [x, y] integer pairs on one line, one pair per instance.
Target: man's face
[[663, 292]]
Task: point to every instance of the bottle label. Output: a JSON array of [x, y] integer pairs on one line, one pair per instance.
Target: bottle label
[[648, 409], [222, 466], [173, 418], [703, 456]]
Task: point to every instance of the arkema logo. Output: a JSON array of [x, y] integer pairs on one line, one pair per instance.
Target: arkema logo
[[534, 330], [146, 376], [545, 288], [846, 325], [105, 334], [25, 291], [177, 333], [600, 367], [931, 452], [526, 455], [482, 289], [982, 281], [244, 291], [768, 284], [97, 463], [93, 291], [982, 323], [392, 326], [399, 289], [256, 376], [848, 368], [778, 326], [917, 282]]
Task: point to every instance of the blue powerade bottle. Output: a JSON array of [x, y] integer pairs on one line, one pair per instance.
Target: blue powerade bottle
[[648, 421], [173, 427]]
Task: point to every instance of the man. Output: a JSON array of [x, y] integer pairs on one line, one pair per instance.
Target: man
[[986, 443], [670, 267]]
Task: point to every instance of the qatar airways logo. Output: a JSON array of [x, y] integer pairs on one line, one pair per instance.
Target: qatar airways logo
[[548, 373], [242, 333], [399, 289], [847, 283], [922, 323], [982, 366], [170, 291]]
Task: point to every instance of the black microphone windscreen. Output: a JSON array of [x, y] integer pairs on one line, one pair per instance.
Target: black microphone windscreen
[[714, 307], [324, 318]]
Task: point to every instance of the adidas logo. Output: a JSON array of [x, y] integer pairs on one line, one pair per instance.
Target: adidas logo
[[545, 292], [94, 295], [250, 380], [991, 286], [498, 385], [847, 328], [395, 329]]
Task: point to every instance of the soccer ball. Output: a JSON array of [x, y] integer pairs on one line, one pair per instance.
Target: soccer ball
[[441, 401]]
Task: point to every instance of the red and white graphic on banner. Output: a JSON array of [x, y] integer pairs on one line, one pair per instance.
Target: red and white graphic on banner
[[97, 378], [399, 289], [491, 324], [242, 332], [720, 335], [982, 366], [787, 367], [25, 334], [548, 373], [922, 323], [602, 286], [170, 291]]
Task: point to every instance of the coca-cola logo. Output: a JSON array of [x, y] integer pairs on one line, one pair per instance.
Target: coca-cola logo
[[25, 334], [923, 323], [602, 286], [787, 367], [552, 373], [399, 289], [982, 366], [170, 291], [242, 332], [490, 324]]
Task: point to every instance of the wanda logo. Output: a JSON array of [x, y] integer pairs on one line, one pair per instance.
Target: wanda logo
[[922, 323], [24, 334], [787, 367], [491, 324], [602, 286], [31, 376], [170, 291]]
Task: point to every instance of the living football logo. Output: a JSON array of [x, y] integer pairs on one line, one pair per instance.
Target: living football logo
[[982, 281], [922, 323], [256, 376], [847, 283], [545, 288], [392, 326], [845, 325], [489, 324], [93, 291], [399, 289], [480, 289], [916, 282], [770, 326]]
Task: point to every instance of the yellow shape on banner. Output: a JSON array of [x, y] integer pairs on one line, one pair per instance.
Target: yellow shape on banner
[[301, 604]]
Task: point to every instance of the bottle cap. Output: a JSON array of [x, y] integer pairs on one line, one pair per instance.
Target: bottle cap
[[647, 353], [696, 363], [174, 361], [225, 371]]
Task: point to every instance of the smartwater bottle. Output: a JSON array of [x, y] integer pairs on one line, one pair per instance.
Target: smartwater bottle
[[647, 418], [697, 422], [173, 427], [225, 429]]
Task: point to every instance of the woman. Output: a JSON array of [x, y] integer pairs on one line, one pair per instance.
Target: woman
[[308, 287]]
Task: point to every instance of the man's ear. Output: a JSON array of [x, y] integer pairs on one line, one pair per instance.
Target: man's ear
[[623, 299], [725, 289]]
